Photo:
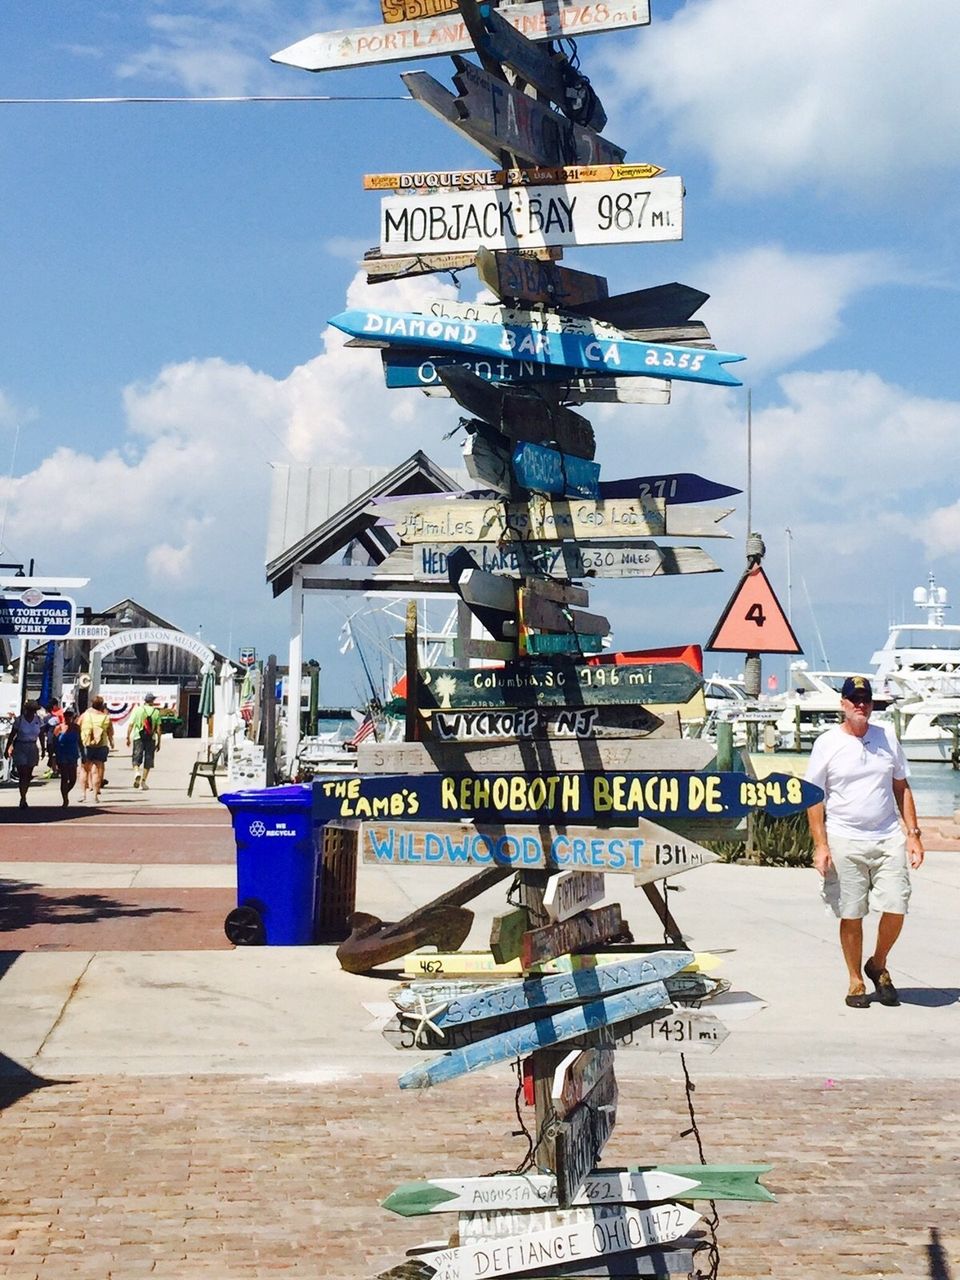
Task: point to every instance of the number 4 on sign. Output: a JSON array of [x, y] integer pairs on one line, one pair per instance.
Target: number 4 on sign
[[753, 621]]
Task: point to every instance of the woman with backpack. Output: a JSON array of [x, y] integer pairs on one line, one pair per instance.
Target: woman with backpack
[[96, 739]]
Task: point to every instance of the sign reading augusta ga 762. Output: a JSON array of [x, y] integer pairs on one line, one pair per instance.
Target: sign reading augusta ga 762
[[533, 217], [26, 616], [559, 797]]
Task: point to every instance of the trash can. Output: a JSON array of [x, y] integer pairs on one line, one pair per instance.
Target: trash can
[[276, 866]]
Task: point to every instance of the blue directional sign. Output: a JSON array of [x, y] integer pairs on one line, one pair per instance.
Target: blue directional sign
[[681, 486], [585, 351], [51, 618]]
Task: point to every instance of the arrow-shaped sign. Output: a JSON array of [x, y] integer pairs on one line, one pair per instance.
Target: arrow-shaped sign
[[682, 486], [555, 320], [545, 1031], [544, 519], [427, 562], [561, 350], [447, 33]]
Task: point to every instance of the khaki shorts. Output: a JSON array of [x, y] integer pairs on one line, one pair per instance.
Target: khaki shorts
[[867, 875]]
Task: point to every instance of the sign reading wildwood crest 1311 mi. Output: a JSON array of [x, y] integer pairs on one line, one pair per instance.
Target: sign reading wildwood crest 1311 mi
[[533, 217]]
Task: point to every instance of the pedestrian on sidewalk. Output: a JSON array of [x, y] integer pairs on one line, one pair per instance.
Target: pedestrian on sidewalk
[[54, 721], [24, 744], [66, 749], [144, 728], [96, 739], [859, 846]]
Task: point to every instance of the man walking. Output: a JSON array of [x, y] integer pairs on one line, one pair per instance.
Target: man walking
[[858, 844], [144, 728]]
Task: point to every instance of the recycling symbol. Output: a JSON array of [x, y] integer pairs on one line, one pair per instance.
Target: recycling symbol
[[257, 829]]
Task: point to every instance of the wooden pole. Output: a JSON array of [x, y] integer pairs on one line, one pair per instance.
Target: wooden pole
[[268, 696], [411, 725]]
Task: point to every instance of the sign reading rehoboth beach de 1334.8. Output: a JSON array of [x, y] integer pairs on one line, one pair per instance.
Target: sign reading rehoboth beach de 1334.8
[[533, 217], [32, 614], [559, 797]]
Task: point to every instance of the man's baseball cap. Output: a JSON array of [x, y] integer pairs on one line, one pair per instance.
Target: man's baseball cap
[[150, 697], [857, 689]]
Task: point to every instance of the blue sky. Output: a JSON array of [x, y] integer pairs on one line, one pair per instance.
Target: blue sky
[[168, 271]]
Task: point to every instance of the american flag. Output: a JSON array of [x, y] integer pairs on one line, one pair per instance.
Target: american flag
[[364, 731]]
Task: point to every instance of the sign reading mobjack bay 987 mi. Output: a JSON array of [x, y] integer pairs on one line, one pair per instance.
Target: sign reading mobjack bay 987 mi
[[44, 618], [533, 217]]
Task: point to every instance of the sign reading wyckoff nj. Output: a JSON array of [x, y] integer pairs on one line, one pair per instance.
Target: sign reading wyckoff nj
[[32, 614]]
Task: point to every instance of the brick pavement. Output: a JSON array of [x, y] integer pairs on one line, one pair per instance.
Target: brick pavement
[[112, 1179]]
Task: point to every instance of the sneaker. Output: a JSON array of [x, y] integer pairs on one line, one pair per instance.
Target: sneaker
[[136, 782], [144, 787], [886, 992], [858, 998]]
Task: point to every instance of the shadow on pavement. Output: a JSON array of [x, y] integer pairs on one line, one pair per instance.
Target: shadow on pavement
[[929, 997], [939, 1266], [23, 904], [17, 1081]]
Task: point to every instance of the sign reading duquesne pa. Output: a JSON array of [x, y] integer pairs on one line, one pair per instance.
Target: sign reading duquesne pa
[[43, 617], [533, 217]]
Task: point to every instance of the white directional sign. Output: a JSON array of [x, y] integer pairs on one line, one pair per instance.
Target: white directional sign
[[533, 217], [447, 33]]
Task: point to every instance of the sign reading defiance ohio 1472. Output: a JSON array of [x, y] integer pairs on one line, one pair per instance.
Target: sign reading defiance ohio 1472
[[559, 797]]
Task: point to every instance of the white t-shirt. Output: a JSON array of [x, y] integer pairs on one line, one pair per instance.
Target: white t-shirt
[[857, 775]]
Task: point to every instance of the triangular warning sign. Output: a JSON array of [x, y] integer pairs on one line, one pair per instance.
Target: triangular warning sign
[[753, 621]]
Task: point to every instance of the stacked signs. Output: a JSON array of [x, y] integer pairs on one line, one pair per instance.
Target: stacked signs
[[563, 763]]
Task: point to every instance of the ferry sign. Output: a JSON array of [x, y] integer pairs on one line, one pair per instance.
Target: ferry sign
[[28, 615]]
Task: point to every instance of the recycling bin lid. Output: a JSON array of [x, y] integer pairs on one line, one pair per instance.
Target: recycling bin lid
[[296, 795]]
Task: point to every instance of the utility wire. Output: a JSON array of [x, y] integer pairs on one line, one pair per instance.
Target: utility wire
[[327, 97]]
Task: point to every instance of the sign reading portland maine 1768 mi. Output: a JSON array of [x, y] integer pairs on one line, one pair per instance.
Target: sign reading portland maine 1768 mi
[[533, 217]]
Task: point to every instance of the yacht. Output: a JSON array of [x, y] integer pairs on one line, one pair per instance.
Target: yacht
[[812, 704], [919, 668]]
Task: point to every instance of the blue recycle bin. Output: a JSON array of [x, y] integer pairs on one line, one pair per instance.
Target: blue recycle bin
[[276, 866]]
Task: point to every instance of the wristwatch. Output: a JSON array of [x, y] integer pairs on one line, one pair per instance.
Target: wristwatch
[[914, 831]]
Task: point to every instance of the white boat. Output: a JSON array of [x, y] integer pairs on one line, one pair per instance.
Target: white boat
[[812, 704], [919, 668]]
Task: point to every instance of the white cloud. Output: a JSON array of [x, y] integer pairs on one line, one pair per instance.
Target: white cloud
[[782, 306], [811, 92], [186, 495]]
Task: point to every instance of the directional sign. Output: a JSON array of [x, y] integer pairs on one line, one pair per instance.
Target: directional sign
[[661, 304], [546, 615], [683, 486], [532, 1190], [511, 121], [557, 320], [587, 929], [611, 1232], [421, 370], [753, 621], [675, 1030], [538, 725], [542, 645], [648, 852], [534, 417], [571, 891], [543, 519], [553, 1029], [582, 1136], [560, 216], [33, 615], [89, 631], [427, 562], [534, 756], [410, 10], [486, 462], [538, 993], [550, 471], [559, 350], [499, 798], [719, 1181], [479, 966], [432, 37], [509, 275], [554, 684], [537, 176], [380, 268]]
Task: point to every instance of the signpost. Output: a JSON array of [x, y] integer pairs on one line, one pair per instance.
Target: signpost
[[554, 215], [533, 724], [536, 175], [509, 275], [562, 351]]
